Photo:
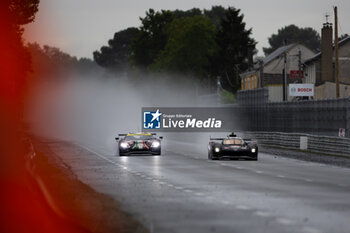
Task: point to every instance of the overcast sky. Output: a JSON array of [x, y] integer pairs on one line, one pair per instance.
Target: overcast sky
[[80, 27]]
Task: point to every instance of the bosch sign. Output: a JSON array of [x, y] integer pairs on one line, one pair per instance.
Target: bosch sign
[[306, 89]]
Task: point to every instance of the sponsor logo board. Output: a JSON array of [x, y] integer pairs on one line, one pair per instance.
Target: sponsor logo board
[[306, 89]]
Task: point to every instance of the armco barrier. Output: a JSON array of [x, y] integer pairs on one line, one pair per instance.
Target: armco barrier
[[315, 143]]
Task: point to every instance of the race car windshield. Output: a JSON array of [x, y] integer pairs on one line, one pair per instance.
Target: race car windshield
[[233, 142], [139, 137]]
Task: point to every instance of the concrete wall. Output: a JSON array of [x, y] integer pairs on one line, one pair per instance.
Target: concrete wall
[[275, 93], [327, 91]]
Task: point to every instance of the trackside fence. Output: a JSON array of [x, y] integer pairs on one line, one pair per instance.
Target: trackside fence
[[317, 117], [314, 143]]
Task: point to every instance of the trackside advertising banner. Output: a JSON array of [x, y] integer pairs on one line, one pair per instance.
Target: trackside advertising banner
[[305, 89], [165, 119]]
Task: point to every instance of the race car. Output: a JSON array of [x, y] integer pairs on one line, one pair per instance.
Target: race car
[[139, 143], [232, 147]]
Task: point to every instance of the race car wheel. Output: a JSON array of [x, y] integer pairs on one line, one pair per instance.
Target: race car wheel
[[256, 155], [121, 154], [210, 156]]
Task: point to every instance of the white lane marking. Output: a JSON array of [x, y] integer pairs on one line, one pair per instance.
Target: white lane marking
[[259, 172], [262, 213], [284, 221], [125, 168], [242, 207], [308, 180], [102, 157], [310, 230], [225, 202], [280, 176]]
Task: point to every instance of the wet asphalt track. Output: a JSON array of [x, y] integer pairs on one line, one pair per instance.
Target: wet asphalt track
[[181, 191]]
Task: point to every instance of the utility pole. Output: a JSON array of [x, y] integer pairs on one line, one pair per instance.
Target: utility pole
[[336, 52], [299, 64], [261, 72]]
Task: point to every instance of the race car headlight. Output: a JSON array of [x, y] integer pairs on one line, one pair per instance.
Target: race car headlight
[[124, 145], [155, 144], [253, 150], [217, 149]]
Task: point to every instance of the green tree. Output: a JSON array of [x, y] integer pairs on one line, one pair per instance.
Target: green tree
[[293, 34], [20, 12], [236, 47], [191, 43], [14, 69], [216, 14], [50, 63], [14, 59], [189, 13], [152, 37], [115, 56]]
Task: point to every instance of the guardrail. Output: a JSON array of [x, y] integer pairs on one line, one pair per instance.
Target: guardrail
[[314, 143]]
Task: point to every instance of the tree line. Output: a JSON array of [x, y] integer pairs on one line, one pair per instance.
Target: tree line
[[15, 60], [201, 44]]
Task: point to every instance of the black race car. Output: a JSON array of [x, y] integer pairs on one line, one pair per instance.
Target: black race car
[[232, 147], [139, 143]]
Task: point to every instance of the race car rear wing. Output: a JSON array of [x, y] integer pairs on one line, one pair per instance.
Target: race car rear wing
[[248, 140], [210, 138], [120, 135], [124, 134], [231, 135]]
